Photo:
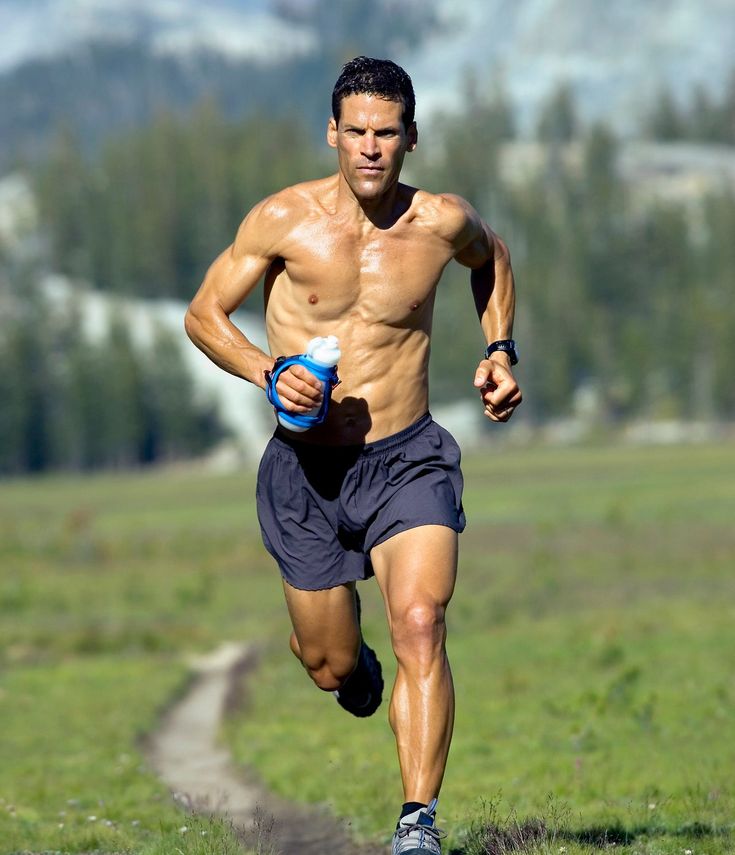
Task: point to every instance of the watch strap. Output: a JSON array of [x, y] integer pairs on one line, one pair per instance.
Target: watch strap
[[505, 345]]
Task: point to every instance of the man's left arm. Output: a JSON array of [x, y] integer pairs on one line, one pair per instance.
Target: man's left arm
[[493, 289]]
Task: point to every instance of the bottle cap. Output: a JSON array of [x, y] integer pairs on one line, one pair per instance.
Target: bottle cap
[[324, 350]]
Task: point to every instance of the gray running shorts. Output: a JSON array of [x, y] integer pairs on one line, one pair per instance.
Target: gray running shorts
[[323, 508]]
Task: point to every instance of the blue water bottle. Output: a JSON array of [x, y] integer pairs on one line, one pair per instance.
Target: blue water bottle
[[321, 358]]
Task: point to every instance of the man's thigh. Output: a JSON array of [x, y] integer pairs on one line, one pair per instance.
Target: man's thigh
[[324, 620], [417, 567]]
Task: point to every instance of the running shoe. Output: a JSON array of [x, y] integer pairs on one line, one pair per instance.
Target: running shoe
[[416, 833], [362, 692]]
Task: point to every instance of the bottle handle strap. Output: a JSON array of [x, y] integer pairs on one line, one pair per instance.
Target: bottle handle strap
[[326, 375]]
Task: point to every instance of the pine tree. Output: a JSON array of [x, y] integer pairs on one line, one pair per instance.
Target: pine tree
[[558, 122]]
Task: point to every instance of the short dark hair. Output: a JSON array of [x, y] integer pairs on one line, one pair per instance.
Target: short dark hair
[[364, 75]]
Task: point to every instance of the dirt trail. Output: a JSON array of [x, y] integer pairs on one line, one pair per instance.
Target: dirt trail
[[185, 752]]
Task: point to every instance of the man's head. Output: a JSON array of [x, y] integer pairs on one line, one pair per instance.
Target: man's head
[[372, 127], [364, 75]]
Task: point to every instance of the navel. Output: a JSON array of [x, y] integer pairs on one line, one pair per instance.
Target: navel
[[313, 299]]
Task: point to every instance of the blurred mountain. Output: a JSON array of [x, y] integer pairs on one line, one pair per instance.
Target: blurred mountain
[[100, 65], [49, 28], [615, 55]]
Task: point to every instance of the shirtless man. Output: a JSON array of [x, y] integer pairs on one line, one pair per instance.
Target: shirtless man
[[375, 489]]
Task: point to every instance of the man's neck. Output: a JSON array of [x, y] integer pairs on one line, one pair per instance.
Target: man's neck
[[380, 211]]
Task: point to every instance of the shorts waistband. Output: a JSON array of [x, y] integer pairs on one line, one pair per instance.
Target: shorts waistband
[[388, 443]]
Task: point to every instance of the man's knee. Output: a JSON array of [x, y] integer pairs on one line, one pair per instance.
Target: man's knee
[[330, 673], [419, 631], [328, 668]]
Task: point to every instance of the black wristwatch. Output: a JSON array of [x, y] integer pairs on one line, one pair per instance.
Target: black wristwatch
[[506, 345]]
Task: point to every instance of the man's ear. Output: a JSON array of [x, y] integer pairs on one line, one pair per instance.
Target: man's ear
[[413, 136], [332, 132]]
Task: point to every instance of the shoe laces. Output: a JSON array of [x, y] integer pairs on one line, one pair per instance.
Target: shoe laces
[[428, 831]]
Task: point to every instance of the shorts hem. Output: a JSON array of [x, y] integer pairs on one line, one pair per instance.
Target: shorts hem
[[302, 587], [459, 527]]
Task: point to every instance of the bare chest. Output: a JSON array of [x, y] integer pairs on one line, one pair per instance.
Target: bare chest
[[384, 276]]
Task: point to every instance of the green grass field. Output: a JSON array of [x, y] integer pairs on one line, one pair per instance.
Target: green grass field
[[591, 638]]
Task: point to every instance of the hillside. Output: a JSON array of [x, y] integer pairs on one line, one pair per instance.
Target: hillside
[[101, 66], [615, 56], [241, 407]]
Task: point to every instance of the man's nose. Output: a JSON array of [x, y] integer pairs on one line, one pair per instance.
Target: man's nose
[[370, 148]]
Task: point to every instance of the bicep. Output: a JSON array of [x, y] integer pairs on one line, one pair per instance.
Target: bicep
[[473, 241], [486, 249], [231, 278], [236, 271]]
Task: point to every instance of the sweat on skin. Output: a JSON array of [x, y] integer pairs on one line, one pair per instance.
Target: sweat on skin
[[359, 255]]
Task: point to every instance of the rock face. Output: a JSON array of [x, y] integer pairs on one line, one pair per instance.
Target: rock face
[[242, 407], [236, 30], [677, 172], [615, 55]]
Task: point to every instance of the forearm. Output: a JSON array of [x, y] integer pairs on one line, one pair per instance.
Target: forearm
[[211, 330], [495, 299], [493, 289]]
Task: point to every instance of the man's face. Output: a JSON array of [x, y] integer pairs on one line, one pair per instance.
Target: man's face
[[371, 143]]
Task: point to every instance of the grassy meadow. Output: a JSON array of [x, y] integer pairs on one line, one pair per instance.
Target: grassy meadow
[[591, 637]]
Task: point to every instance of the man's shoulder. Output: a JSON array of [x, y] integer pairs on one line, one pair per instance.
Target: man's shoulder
[[447, 214], [293, 201], [275, 217]]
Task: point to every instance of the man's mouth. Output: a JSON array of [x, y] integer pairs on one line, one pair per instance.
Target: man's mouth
[[370, 169]]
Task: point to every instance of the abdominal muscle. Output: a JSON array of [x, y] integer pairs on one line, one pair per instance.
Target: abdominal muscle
[[383, 369]]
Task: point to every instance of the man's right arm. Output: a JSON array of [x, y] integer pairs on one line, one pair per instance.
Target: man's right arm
[[232, 276], [229, 280]]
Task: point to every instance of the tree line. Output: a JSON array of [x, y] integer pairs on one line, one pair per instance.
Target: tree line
[[700, 117], [70, 401], [626, 298], [148, 214], [630, 299], [103, 87]]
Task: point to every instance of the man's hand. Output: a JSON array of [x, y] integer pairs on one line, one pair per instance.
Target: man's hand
[[498, 389], [299, 390]]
